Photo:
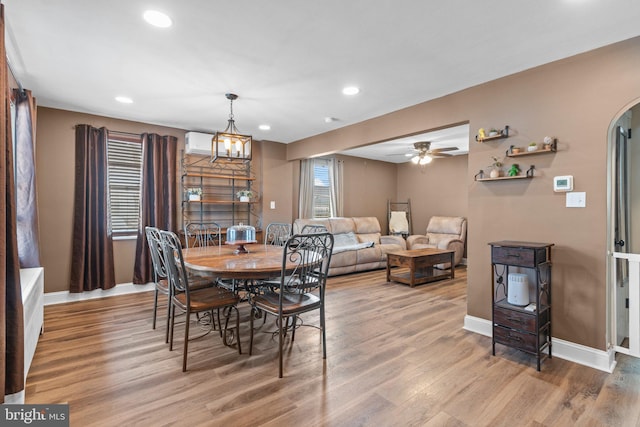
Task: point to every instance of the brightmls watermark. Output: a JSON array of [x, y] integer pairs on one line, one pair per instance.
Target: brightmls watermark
[[34, 415]]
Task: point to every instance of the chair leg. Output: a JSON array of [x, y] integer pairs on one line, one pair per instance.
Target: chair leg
[[173, 316], [251, 331], [324, 335], [238, 329], [293, 327], [155, 308], [280, 339], [187, 320], [166, 337]]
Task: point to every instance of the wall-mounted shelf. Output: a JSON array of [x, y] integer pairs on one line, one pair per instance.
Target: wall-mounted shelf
[[503, 133], [553, 147], [480, 176]]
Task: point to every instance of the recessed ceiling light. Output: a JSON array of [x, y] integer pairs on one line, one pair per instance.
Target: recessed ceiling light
[[330, 119], [157, 19], [351, 90], [124, 99], [264, 127]]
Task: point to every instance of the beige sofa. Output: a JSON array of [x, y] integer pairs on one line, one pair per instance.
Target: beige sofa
[[443, 232], [358, 243]]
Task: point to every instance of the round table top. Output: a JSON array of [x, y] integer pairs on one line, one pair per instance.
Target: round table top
[[262, 261]]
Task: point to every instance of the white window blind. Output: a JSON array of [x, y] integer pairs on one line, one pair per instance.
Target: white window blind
[[321, 189], [125, 178]]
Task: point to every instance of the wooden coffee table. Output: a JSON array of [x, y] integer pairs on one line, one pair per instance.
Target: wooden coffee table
[[420, 263]]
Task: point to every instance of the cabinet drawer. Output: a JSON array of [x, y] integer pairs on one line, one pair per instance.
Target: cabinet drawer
[[517, 339], [514, 319], [518, 320], [522, 257]]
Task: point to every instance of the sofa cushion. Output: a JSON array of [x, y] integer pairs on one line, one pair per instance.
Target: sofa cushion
[[299, 224], [373, 254], [446, 225], [366, 225], [348, 242], [341, 225]]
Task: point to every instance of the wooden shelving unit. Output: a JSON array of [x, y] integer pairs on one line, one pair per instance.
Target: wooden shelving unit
[[515, 326], [218, 182]]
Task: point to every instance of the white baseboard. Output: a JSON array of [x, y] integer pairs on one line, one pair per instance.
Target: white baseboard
[[51, 298], [577, 353]]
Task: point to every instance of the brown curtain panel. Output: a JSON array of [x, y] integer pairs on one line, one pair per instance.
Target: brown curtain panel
[[27, 207], [11, 317], [158, 198], [92, 264]]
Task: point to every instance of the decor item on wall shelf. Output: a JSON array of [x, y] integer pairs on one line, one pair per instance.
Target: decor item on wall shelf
[[230, 144], [532, 146], [514, 170], [195, 194], [496, 167], [493, 133], [548, 142], [245, 195]]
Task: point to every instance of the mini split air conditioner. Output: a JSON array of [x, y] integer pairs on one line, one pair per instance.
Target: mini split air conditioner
[[197, 143]]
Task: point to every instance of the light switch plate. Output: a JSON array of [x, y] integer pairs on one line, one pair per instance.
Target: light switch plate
[[577, 199], [272, 204]]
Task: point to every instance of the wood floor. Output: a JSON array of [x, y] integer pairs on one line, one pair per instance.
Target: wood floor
[[396, 356]]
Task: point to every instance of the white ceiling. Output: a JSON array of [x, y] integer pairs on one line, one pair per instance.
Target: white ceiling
[[401, 150], [289, 59]]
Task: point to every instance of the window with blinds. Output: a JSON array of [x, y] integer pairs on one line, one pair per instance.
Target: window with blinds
[[125, 178], [321, 189]]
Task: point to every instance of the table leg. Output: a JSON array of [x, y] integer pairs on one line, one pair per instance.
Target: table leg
[[452, 267]]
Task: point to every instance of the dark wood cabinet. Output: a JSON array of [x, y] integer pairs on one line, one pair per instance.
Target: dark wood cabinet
[[524, 327]]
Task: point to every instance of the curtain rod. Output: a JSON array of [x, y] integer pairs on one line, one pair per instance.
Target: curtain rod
[[15, 77]]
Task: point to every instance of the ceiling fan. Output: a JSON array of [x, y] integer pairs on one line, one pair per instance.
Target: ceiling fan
[[426, 154]]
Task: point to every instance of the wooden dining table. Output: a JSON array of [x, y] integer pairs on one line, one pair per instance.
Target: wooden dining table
[[261, 262]]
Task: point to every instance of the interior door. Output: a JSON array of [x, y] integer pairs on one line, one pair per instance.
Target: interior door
[[621, 236]]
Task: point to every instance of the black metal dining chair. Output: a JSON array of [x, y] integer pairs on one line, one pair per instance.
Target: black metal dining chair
[[189, 300], [197, 234], [301, 288], [277, 233], [159, 274]]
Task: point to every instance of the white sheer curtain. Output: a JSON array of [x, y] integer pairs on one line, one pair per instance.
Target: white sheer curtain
[[307, 178], [336, 169]]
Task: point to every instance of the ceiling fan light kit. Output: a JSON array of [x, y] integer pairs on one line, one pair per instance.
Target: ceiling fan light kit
[[426, 154]]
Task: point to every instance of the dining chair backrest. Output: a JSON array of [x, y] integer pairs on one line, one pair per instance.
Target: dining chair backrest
[[313, 228], [202, 234], [176, 271], [311, 255], [277, 234], [155, 248]]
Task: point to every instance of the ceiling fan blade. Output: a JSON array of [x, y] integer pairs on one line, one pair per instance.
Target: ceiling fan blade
[[435, 150], [437, 155]]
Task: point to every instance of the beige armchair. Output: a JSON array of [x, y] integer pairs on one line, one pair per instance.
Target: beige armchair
[[443, 232]]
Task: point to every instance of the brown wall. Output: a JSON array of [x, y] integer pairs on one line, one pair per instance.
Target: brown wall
[[575, 100], [277, 184], [368, 184], [55, 181], [439, 188]]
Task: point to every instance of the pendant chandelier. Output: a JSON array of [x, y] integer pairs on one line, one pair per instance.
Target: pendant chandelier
[[230, 144]]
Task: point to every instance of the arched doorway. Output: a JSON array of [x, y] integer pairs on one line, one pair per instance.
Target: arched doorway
[[623, 232]]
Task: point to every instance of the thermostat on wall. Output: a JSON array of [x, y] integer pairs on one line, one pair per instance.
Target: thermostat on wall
[[563, 183]]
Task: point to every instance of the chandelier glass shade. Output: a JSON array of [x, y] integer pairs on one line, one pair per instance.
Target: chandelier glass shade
[[422, 159], [230, 144]]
